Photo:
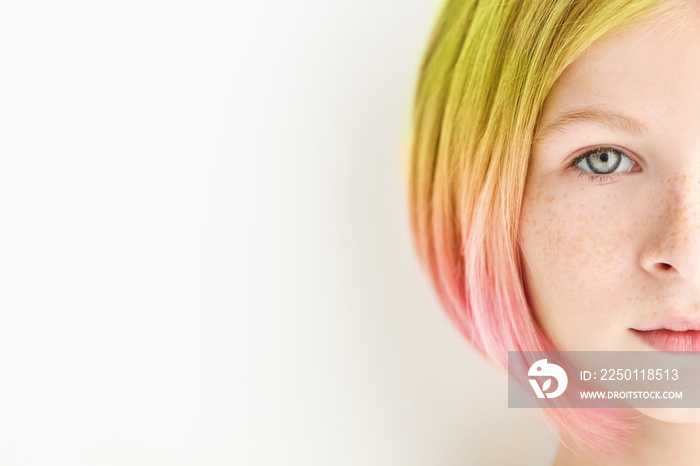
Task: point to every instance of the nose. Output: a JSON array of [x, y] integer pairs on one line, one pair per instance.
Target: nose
[[673, 253]]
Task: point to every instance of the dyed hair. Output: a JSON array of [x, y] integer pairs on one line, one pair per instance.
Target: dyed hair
[[482, 85]]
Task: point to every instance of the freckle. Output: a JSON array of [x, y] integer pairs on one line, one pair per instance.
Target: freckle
[[549, 198]]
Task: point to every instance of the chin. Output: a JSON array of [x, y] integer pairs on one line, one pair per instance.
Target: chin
[[675, 415]]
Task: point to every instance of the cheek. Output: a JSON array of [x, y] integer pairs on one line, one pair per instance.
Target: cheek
[[576, 255], [580, 241]]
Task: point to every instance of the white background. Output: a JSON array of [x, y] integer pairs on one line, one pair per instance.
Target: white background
[[204, 243]]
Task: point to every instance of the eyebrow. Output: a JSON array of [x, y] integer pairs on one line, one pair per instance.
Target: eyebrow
[[606, 119]]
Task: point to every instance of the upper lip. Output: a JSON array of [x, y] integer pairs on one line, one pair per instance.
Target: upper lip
[[676, 324]]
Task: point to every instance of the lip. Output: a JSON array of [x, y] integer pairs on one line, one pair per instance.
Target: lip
[[677, 324], [664, 339]]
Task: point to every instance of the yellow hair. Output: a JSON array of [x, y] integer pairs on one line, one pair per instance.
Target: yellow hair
[[487, 71]]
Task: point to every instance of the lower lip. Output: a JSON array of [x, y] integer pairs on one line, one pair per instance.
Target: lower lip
[[669, 340]]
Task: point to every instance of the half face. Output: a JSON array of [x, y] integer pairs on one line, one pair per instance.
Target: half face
[[610, 222]]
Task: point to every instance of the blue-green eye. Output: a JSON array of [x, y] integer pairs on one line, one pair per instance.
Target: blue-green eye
[[604, 161]]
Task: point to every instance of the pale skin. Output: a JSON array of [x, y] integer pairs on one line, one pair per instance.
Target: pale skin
[[605, 253]]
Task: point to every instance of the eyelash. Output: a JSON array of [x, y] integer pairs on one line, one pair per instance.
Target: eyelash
[[593, 177]]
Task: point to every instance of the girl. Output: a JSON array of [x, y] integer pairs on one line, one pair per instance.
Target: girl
[[555, 193]]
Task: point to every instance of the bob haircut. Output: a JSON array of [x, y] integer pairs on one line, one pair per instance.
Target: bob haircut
[[488, 68]]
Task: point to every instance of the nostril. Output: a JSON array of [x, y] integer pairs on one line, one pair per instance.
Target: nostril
[[664, 266]]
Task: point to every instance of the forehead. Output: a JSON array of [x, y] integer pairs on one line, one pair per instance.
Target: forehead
[[650, 70]]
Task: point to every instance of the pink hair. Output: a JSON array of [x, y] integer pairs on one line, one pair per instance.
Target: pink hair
[[487, 71]]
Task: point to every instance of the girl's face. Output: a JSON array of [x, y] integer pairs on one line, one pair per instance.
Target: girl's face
[[610, 223]]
